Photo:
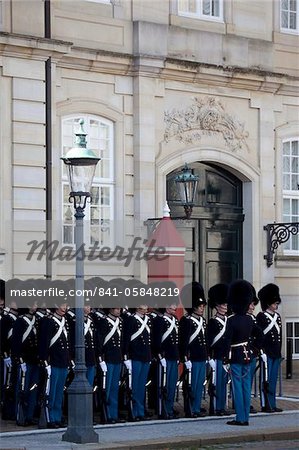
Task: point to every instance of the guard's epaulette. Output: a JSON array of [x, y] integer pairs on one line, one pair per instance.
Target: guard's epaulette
[[232, 315]]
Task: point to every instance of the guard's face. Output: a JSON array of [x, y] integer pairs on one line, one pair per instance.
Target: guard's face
[[222, 309], [142, 310], [61, 310], [14, 305], [251, 308], [87, 309], [199, 310], [274, 306], [171, 310], [115, 311], [33, 307]]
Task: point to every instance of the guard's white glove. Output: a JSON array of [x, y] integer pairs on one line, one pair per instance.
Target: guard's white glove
[[212, 364], [163, 362], [48, 370], [103, 366], [226, 367], [264, 357], [23, 367], [7, 362], [188, 365], [128, 364]]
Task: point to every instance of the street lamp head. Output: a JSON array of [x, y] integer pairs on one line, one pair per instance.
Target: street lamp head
[[186, 183], [81, 165]]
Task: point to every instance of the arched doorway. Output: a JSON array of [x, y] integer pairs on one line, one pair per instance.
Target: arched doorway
[[213, 236]]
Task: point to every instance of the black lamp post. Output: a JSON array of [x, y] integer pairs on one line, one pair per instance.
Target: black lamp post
[[186, 183], [81, 164]]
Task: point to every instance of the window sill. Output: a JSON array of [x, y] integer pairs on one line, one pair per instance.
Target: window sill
[[211, 25], [287, 260], [289, 31]]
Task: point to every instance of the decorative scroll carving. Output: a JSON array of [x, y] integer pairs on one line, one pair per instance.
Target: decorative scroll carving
[[204, 116], [278, 233]]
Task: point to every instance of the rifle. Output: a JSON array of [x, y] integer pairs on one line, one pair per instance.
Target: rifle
[[104, 415], [264, 385], [21, 418], [228, 393], [187, 391], [96, 390], [44, 410], [8, 408], [212, 391], [162, 412], [129, 396]]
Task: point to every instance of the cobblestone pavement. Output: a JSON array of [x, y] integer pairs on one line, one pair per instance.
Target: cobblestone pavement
[[184, 433], [288, 401]]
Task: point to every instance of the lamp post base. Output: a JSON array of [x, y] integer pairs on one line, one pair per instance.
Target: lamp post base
[[80, 414], [80, 436]]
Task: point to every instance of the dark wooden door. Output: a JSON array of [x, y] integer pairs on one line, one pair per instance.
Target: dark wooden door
[[220, 251], [213, 236]]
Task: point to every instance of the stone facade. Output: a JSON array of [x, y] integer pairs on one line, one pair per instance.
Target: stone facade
[[178, 89]]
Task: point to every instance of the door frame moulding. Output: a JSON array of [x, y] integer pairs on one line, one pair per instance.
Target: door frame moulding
[[249, 175]]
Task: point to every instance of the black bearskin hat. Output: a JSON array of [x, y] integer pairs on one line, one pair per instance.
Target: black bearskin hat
[[217, 295], [240, 295], [269, 294], [2, 289], [194, 292]]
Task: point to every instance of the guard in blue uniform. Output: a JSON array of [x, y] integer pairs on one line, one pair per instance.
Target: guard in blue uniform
[[2, 295], [154, 376], [217, 299], [55, 354], [255, 343], [41, 315], [3, 365], [168, 354], [10, 368], [192, 343], [89, 341], [89, 338], [270, 322], [238, 332], [110, 343], [137, 356], [25, 355]]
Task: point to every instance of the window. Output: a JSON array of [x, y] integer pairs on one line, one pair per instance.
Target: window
[[290, 190], [99, 213], [98, 1], [289, 15], [1, 14], [292, 334], [202, 9]]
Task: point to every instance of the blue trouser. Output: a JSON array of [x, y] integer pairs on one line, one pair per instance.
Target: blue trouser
[[171, 380], [252, 369], [221, 382], [198, 374], [30, 389], [139, 378], [241, 383], [112, 386], [90, 373], [57, 381], [273, 367]]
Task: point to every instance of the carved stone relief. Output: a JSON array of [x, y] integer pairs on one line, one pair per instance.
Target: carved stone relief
[[205, 116]]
